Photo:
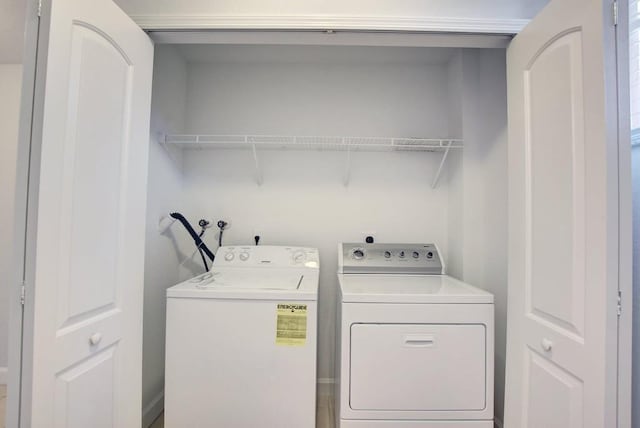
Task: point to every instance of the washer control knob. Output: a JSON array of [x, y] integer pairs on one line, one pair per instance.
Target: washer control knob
[[401, 254], [202, 277], [229, 256], [429, 255], [358, 254], [387, 254], [416, 255], [299, 256], [244, 256]]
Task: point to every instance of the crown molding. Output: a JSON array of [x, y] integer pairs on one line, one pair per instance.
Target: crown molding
[[328, 22]]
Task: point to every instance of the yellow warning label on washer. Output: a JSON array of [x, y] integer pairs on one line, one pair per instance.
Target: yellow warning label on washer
[[292, 324]]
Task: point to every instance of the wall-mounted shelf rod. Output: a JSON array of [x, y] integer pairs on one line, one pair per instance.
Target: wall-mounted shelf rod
[[255, 143]]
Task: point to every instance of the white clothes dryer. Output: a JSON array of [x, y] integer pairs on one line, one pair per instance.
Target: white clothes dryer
[[241, 341], [415, 347]]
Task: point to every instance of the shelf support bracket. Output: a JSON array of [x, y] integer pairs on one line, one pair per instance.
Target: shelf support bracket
[[256, 162], [444, 158], [169, 150]]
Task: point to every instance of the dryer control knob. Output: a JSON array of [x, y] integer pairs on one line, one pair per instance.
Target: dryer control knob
[[244, 256], [387, 254], [358, 254], [229, 256], [299, 256]]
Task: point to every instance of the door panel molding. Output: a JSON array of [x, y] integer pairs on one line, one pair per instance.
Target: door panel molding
[[561, 180]]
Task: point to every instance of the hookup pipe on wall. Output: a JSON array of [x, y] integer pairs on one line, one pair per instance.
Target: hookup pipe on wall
[[199, 242]]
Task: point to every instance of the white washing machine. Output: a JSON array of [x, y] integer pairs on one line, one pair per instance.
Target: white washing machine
[[241, 341], [415, 347]]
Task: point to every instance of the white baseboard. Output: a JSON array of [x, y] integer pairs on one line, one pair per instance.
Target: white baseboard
[[325, 386], [3, 375], [152, 410]]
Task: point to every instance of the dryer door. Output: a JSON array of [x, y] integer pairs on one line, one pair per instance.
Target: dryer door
[[418, 367]]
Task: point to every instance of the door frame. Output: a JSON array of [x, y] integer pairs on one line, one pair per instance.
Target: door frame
[[25, 213], [625, 221]]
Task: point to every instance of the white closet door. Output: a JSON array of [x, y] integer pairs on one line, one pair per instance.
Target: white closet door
[[563, 219], [83, 354]]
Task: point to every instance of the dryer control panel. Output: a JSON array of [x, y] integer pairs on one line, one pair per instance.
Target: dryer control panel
[[419, 259], [267, 256]]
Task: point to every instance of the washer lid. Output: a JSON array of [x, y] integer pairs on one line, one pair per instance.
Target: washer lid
[[248, 284], [368, 288]]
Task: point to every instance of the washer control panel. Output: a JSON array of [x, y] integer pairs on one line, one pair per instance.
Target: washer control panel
[[390, 258], [267, 256]]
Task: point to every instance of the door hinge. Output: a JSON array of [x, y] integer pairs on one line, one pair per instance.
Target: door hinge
[[619, 302], [39, 7], [615, 13], [23, 288]]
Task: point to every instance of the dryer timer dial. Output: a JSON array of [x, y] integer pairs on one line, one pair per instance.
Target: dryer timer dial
[[299, 256], [357, 254]]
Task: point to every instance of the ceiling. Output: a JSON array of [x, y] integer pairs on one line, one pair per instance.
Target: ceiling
[[12, 17]]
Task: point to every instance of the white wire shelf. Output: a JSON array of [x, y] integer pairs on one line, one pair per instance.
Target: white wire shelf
[[280, 142], [255, 143]]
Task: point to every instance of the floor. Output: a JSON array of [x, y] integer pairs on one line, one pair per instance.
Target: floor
[[324, 416], [3, 404]]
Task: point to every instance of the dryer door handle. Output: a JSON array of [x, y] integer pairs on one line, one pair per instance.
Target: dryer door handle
[[419, 341]]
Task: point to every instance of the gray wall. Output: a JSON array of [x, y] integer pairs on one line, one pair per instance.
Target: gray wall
[[12, 18], [164, 195], [635, 165], [10, 78], [478, 188]]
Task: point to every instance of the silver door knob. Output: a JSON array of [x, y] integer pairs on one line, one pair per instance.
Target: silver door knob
[[95, 339], [546, 344]]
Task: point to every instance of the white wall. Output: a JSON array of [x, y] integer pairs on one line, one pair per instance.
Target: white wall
[[164, 195], [478, 190], [317, 90], [455, 176], [397, 8], [303, 200], [10, 80]]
